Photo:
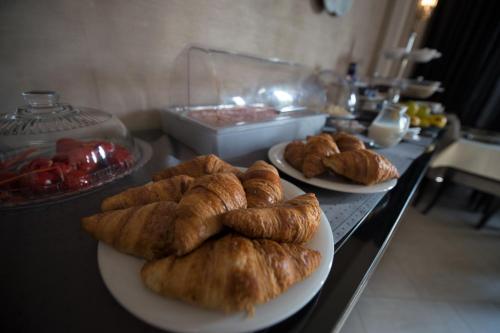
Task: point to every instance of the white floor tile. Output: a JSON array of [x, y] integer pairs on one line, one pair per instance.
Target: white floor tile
[[446, 261], [353, 323], [383, 315], [480, 317], [439, 274], [389, 280]]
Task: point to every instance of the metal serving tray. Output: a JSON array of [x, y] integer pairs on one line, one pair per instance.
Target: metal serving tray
[[240, 138]]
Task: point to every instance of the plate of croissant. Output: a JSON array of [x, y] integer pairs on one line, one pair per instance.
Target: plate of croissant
[[208, 247], [338, 162]]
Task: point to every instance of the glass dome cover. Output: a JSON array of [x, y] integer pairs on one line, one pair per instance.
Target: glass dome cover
[[51, 150]]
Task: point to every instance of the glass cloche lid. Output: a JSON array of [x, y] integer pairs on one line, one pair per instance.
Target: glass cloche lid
[[50, 150]]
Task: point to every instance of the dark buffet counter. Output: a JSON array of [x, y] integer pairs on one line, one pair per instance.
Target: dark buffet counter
[[50, 280]]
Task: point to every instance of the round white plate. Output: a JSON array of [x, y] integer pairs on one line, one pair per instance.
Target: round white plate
[[120, 273], [329, 181]]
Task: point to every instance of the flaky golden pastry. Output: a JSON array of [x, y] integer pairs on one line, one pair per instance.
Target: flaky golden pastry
[[347, 142], [362, 166], [317, 148], [199, 211], [232, 273], [170, 189], [294, 221], [197, 167], [143, 231], [262, 185], [294, 154]]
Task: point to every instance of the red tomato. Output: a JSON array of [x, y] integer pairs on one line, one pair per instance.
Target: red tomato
[[37, 164], [66, 144], [87, 167], [106, 146], [44, 181], [121, 157], [76, 180], [87, 159], [84, 158], [61, 158], [62, 168]]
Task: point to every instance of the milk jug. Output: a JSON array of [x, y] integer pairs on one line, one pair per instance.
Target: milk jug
[[390, 125]]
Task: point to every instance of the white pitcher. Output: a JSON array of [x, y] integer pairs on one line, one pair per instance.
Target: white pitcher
[[390, 126]]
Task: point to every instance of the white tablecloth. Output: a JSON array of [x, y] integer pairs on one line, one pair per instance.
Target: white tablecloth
[[482, 159]]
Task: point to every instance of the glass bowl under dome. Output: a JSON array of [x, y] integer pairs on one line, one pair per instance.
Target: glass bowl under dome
[[50, 150]]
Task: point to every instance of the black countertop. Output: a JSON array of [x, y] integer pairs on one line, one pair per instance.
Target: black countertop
[[50, 281]]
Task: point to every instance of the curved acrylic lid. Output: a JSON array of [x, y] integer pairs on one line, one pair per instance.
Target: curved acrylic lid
[[202, 76], [50, 150]]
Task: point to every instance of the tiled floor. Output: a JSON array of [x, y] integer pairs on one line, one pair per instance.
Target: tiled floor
[[438, 275]]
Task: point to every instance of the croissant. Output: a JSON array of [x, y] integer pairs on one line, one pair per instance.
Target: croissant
[[317, 148], [232, 273], [362, 166], [294, 221], [262, 185], [347, 142], [197, 167], [294, 154], [143, 231], [200, 209], [170, 189]]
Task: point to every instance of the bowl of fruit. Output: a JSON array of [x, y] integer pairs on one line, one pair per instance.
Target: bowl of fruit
[[51, 151], [423, 114]]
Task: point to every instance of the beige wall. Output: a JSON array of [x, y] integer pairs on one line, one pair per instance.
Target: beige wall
[[396, 28], [116, 55]]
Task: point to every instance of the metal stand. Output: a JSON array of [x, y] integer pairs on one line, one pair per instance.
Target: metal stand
[[404, 59]]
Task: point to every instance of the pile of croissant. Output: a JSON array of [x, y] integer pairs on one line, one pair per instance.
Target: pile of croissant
[[213, 235], [345, 154]]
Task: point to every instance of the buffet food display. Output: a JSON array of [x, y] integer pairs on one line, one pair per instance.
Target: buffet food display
[[222, 117], [206, 234], [50, 150], [217, 129], [232, 104], [214, 236]]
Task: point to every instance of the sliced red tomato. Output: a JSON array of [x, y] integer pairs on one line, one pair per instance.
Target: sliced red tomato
[[40, 163], [37, 164], [87, 159], [62, 168], [84, 158], [121, 157], [76, 180], [106, 146], [61, 158], [40, 182]]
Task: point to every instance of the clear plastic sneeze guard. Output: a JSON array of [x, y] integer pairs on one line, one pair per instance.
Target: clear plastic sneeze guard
[[204, 76], [215, 92], [50, 150]]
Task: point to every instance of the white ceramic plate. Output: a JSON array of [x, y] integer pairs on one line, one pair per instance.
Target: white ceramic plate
[[120, 273], [329, 181]]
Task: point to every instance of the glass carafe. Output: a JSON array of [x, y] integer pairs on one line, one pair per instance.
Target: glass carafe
[[390, 125]]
